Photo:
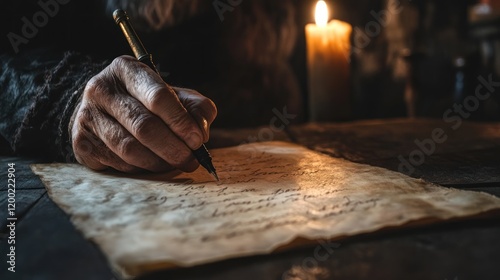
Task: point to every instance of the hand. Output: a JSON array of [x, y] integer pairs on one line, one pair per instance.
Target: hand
[[131, 120]]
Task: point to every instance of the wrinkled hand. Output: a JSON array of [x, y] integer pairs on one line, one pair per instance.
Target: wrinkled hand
[[131, 120]]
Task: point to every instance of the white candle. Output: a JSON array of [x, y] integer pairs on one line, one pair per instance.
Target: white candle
[[328, 50]]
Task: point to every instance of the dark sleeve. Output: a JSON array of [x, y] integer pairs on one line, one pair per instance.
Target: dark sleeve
[[38, 95]]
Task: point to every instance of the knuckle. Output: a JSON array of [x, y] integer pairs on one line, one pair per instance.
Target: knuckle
[[81, 145], [120, 62], [96, 87], [155, 97], [77, 141], [78, 136], [181, 123], [208, 105], [85, 116], [178, 118], [127, 147], [143, 126], [91, 86]]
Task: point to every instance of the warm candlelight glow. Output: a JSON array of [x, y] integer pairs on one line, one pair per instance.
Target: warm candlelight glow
[[321, 13], [328, 53]]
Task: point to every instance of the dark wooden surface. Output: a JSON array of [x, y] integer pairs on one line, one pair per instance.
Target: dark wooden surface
[[49, 247]]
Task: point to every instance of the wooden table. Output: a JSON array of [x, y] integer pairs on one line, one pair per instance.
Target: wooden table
[[49, 247]]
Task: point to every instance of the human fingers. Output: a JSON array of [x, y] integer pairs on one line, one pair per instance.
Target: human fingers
[[146, 86], [90, 151], [128, 147], [201, 108], [138, 136]]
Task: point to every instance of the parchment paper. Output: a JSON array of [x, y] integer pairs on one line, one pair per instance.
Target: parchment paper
[[269, 195]]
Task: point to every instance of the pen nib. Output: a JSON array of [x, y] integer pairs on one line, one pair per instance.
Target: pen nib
[[205, 160], [215, 176]]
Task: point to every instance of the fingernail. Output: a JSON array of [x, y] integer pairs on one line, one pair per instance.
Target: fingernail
[[204, 124], [194, 141]]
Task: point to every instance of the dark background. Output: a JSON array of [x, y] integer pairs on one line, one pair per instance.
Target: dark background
[[445, 50]]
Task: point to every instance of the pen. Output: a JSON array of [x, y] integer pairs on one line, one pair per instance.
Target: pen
[[121, 18]]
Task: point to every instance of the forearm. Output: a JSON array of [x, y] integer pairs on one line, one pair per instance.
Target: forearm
[[38, 97]]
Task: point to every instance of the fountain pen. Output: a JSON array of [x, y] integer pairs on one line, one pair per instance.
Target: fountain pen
[[121, 18]]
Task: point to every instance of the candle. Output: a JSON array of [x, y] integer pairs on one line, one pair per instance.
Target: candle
[[328, 50]]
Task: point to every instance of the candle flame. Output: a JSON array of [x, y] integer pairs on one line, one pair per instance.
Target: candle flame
[[321, 13]]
